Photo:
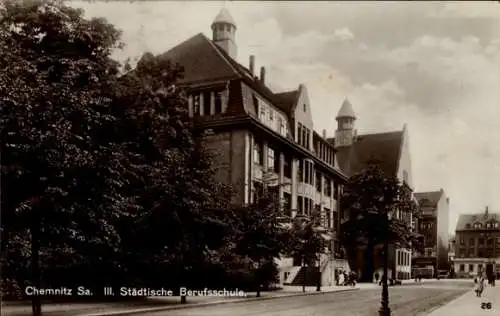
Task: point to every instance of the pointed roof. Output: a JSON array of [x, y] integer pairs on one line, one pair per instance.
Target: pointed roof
[[384, 147], [202, 60], [224, 17], [346, 110], [287, 100]]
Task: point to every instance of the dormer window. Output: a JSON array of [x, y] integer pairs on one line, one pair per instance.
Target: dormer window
[[496, 225], [467, 226]]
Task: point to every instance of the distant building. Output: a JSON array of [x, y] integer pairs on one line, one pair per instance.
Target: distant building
[[433, 225], [391, 150], [477, 247], [261, 138]]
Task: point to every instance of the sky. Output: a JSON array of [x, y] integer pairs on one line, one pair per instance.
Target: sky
[[432, 65]]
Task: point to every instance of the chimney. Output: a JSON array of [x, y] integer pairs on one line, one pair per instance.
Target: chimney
[[486, 212], [263, 74], [252, 64], [324, 133]]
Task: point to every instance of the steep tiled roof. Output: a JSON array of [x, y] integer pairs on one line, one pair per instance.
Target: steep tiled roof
[[383, 147], [201, 60], [471, 219], [428, 198], [286, 100]]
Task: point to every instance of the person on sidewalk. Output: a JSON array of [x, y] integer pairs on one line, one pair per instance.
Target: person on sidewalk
[[376, 277], [479, 288]]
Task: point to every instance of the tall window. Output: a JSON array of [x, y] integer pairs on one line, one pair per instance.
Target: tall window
[[318, 181], [196, 104], [328, 222], [257, 153], [281, 126], [218, 102], [206, 103], [304, 136], [480, 241], [271, 116], [270, 159], [299, 171], [299, 134], [300, 205], [328, 187], [287, 168], [308, 139], [262, 112], [307, 171], [461, 268], [287, 203]]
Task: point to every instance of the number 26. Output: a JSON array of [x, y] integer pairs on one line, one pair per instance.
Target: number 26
[[486, 305]]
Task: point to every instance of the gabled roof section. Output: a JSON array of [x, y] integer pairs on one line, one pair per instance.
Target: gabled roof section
[[428, 198], [287, 100], [202, 60], [471, 219], [383, 147]]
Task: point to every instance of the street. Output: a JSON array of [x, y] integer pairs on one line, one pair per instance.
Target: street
[[414, 299]]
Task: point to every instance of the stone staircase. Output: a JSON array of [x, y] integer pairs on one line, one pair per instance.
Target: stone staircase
[[309, 274]]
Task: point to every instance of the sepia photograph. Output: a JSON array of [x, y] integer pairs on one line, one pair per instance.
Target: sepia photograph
[[239, 158]]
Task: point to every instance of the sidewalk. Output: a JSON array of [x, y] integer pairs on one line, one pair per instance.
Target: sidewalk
[[468, 304], [159, 303]]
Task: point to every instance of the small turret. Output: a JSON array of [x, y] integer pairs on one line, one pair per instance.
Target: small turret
[[224, 32]]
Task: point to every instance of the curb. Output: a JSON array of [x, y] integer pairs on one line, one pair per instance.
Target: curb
[[184, 306]]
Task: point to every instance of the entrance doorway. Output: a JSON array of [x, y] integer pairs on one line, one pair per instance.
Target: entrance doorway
[[489, 271]]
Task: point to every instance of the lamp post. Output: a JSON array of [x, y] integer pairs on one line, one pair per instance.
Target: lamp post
[[384, 302]]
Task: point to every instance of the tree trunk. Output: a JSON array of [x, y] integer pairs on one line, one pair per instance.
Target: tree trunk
[[367, 273], [36, 305]]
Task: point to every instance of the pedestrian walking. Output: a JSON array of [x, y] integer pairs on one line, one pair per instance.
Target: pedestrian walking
[[376, 277], [479, 288]]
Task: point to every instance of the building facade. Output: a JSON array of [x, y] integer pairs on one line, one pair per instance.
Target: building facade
[[259, 137], [391, 150], [433, 225], [477, 245]]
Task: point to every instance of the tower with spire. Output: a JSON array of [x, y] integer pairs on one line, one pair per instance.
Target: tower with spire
[[224, 32], [345, 133]]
